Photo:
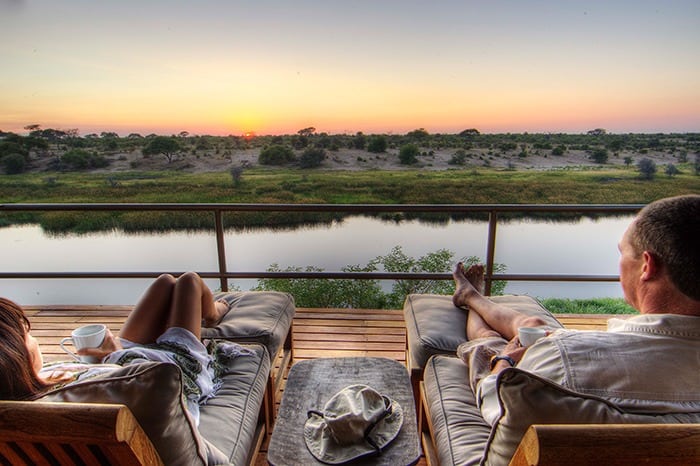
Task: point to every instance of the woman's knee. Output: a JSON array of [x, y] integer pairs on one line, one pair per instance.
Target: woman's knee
[[164, 281], [190, 279]]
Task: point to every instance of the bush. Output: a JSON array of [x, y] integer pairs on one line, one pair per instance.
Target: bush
[[8, 148], [647, 169], [377, 144], [368, 294], [312, 157], [559, 150], [459, 158], [79, 159], [276, 155], [408, 154], [14, 163]]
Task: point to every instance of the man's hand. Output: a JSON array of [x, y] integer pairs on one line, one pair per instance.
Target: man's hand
[[514, 351]]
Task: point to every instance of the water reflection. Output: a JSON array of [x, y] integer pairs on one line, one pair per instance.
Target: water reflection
[[584, 246]]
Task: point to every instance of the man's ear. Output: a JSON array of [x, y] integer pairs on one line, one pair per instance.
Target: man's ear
[[651, 266]]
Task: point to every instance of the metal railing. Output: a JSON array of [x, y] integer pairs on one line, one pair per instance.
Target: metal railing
[[223, 275]]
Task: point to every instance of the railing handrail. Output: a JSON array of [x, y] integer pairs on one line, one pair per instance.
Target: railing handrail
[[224, 275]]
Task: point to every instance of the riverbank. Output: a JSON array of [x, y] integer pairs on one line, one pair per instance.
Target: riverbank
[[466, 186]]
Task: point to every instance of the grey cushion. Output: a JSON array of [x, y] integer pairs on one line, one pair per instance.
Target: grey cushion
[[263, 317], [527, 399], [459, 432], [436, 326], [153, 393], [229, 420]]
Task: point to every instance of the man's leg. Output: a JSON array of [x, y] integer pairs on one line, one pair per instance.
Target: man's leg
[[501, 319]]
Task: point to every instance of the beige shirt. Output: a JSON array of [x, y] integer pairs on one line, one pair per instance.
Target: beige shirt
[[647, 363]]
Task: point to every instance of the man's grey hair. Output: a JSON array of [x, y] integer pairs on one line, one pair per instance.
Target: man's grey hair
[[670, 230]]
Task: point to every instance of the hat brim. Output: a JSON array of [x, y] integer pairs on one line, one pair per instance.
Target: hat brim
[[324, 448]]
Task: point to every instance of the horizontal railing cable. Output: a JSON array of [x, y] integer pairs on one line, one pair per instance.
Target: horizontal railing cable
[[223, 275]]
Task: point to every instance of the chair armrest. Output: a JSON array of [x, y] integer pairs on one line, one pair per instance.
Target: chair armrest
[[609, 444], [58, 433]]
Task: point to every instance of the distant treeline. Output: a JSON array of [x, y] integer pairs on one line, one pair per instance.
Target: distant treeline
[[38, 138]]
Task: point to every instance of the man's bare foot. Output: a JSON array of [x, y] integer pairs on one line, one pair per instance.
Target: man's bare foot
[[468, 283], [221, 308], [475, 275]]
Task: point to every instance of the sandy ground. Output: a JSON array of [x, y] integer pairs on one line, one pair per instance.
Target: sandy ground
[[352, 160]]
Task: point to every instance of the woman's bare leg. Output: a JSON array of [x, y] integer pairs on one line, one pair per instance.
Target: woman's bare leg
[[148, 319], [193, 303], [502, 319]]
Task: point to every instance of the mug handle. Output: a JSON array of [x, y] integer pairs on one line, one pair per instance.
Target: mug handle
[[63, 341]]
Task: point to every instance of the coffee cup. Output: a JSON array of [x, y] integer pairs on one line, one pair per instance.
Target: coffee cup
[[529, 335], [87, 336]]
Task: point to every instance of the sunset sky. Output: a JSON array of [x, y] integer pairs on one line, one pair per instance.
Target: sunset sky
[[274, 67]]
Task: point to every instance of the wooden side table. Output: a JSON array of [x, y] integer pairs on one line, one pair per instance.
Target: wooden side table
[[312, 383]]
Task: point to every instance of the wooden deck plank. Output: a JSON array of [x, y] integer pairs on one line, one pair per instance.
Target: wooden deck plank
[[317, 333]]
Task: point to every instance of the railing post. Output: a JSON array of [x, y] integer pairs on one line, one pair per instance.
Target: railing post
[[220, 249], [490, 251]]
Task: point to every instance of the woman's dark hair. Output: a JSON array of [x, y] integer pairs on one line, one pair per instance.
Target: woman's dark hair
[[19, 380]]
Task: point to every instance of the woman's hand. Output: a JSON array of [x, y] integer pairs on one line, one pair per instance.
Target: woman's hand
[[109, 345]]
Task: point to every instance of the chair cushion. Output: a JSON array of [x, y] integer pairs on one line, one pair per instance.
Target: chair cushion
[[229, 420], [527, 399], [153, 393], [263, 317], [459, 432], [434, 325]]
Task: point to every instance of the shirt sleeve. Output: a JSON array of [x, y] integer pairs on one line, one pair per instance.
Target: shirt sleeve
[[487, 399]]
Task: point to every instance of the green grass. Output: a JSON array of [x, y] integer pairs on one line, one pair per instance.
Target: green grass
[[609, 186], [588, 306], [281, 185]]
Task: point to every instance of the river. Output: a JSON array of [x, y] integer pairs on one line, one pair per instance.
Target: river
[[584, 246]]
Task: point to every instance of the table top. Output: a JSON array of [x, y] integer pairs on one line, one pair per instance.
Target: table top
[[312, 383]]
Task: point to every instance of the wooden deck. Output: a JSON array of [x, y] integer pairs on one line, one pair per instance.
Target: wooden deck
[[317, 332]]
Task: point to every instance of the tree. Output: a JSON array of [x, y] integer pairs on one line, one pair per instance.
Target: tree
[[237, 174], [647, 169], [671, 170], [377, 144], [418, 134], [469, 133], [276, 155], [307, 131], [696, 165], [628, 161], [167, 146], [312, 157], [599, 156], [597, 132], [359, 141], [408, 154]]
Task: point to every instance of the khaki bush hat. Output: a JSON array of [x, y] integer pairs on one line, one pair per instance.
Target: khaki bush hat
[[355, 422]]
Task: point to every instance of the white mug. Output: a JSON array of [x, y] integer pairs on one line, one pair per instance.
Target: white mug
[[529, 335], [87, 336]]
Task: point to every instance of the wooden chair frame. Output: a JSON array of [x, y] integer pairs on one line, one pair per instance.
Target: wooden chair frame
[[33, 432]]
